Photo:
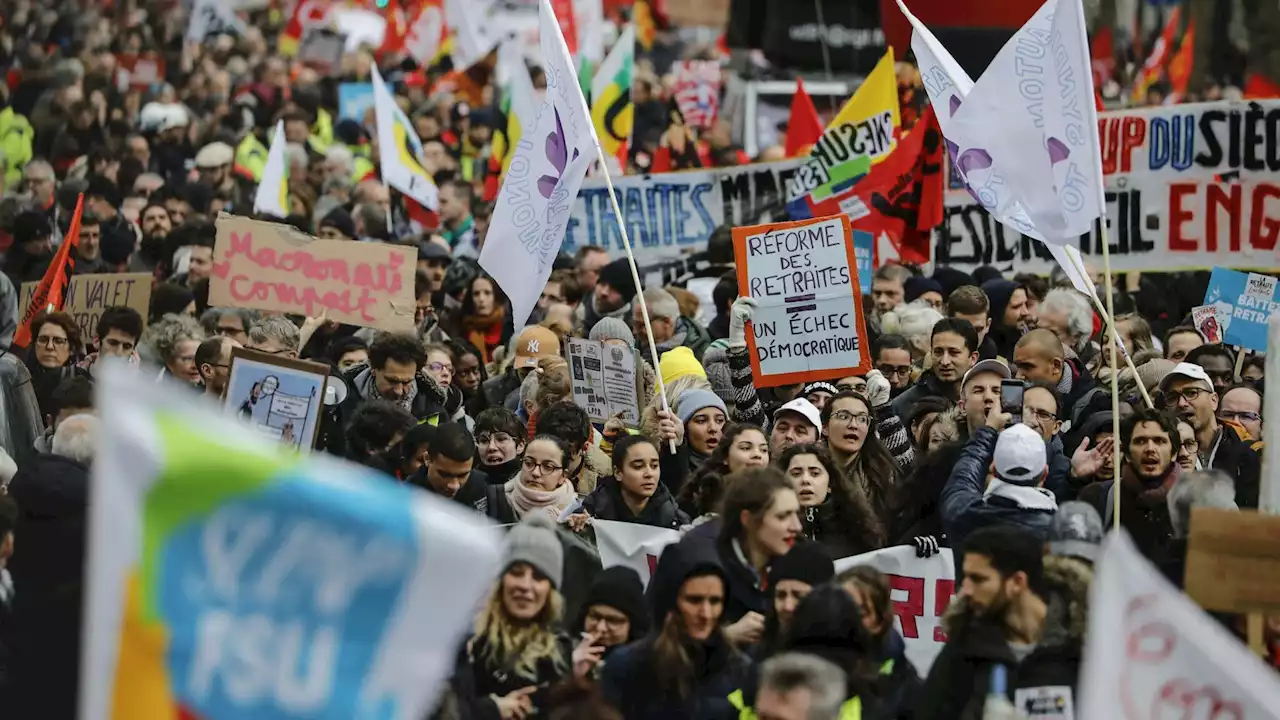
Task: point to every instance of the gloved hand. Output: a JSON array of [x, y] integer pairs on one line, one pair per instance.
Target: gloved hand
[[926, 546], [742, 310], [877, 388]]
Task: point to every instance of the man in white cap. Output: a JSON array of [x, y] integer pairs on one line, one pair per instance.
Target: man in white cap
[[999, 479], [213, 163], [795, 423], [1189, 392]]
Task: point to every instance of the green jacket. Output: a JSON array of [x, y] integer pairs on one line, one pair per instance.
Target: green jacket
[[16, 135]]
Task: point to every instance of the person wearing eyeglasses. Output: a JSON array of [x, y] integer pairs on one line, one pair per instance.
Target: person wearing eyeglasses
[[500, 439], [1243, 404], [213, 360], [1189, 393], [55, 350], [1040, 408], [614, 612], [541, 488]]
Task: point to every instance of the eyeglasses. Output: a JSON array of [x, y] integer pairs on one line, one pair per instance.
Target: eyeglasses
[[499, 438], [612, 621], [1190, 394], [547, 468], [186, 359], [844, 417], [1239, 415], [849, 387], [281, 351], [888, 370], [436, 367], [51, 341], [1041, 415], [118, 344], [1191, 447]]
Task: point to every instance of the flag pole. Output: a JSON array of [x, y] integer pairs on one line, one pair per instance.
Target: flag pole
[[1115, 385], [390, 228], [635, 277], [1106, 318]]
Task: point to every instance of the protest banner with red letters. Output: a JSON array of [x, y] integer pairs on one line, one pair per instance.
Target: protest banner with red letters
[[267, 266], [1188, 187], [922, 587]]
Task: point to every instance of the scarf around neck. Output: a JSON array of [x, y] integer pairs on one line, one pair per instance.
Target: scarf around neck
[[1148, 494], [366, 386], [525, 499], [1027, 498]]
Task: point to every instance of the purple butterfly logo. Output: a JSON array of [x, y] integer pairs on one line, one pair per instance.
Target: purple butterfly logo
[[558, 155], [970, 160], [1058, 150]]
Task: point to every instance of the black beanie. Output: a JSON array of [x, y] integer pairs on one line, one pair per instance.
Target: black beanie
[[999, 292], [619, 587], [950, 279], [617, 275], [916, 286], [807, 562]]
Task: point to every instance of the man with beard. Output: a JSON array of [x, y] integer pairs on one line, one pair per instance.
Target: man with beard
[[614, 290], [954, 347], [1149, 445], [1009, 314], [1018, 609], [156, 226], [1189, 391]]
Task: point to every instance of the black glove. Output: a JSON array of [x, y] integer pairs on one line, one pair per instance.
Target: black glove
[[926, 545]]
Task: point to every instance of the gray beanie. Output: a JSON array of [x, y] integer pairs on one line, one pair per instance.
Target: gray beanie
[[695, 399], [716, 363], [533, 540], [611, 328]]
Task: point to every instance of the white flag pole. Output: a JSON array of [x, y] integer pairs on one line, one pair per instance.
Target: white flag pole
[[635, 277], [391, 236], [1106, 319]]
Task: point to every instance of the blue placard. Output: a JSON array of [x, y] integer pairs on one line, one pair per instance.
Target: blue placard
[[354, 100], [1244, 301], [864, 247]]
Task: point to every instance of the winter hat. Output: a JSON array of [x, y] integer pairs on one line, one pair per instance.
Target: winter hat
[[31, 225], [985, 274], [533, 540], [619, 587], [677, 363], [617, 275], [691, 401], [1076, 531], [807, 562], [611, 328], [950, 279], [340, 220], [716, 363], [168, 298], [916, 286], [999, 292], [117, 244]]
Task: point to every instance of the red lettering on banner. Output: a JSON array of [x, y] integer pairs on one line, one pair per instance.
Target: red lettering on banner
[[911, 608], [243, 289], [942, 592], [1120, 136], [1179, 216], [384, 277], [1263, 229], [1222, 197]]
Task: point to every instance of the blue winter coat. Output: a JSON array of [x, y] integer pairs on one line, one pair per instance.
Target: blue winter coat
[[963, 507]]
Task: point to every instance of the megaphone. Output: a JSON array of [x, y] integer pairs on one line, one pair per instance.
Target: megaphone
[[335, 391]]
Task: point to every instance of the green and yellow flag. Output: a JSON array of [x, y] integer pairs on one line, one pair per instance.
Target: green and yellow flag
[[612, 111]]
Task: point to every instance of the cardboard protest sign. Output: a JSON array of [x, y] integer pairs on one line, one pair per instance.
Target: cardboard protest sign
[[266, 266], [89, 295], [1209, 320], [808, 324], [604, 380], [1243, 302], [229, 576]]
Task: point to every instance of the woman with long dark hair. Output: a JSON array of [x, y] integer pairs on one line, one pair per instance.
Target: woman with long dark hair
[[848, 422], [685, 667], [740, 448], [482, 319], [834, 513]]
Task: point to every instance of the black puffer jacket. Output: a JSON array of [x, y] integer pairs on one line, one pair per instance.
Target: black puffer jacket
[[958, 681], [486, 677], [823, 524], [606, 503]]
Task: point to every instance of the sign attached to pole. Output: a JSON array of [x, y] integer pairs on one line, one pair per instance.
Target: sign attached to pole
[[808, 324], [604, 380]]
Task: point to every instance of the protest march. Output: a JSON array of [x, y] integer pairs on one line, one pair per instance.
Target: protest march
[[639, 360]]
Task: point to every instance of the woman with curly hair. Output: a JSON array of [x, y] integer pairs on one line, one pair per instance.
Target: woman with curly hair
[[172, 343], [517, 651], [848, 422], [834, 514], [742, 447], [56, 348]]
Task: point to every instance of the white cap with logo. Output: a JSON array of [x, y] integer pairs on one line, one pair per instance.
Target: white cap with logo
[[1020, 456]]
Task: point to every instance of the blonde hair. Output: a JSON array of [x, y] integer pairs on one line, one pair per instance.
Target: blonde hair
[[521, 647], [553, 382]]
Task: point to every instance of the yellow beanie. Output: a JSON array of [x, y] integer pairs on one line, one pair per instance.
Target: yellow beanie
[[677, 363]]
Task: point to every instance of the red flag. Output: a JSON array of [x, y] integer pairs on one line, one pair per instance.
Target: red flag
[[1180, 64], [1260, 87], [804, 128], [900, 201], [52, 290], [1154, 67]]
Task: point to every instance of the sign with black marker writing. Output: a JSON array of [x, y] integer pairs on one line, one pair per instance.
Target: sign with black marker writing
[[808, 323]]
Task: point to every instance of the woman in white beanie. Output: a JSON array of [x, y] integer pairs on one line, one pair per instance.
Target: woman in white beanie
[[517, 651]]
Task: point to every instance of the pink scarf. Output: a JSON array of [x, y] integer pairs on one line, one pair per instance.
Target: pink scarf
[[524, 499]]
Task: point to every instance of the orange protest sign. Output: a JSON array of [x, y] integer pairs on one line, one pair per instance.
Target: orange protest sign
[[266, 266], [808, 323]]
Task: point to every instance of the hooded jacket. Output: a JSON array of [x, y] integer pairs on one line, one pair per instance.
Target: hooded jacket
[[606, 503], [629, 679], [958, 680], [52, 493], [967, 506], [1000, 291]]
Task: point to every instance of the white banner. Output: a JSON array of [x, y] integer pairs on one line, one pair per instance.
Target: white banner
[[1151, 652], [1188, 187], [922, 587]]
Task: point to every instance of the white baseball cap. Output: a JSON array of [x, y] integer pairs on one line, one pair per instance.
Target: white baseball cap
[[805, 408], [1187, 370], [1020, 455]]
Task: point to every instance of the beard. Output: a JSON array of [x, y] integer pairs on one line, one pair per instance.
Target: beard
[[996, 609]]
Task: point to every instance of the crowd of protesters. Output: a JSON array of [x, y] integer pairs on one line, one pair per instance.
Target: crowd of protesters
[[745, 616]]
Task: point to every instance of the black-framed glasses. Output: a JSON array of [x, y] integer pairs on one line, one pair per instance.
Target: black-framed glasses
[[888, 370], [546, 468], [1190, 394], [51, 341], [844, 417], [1041, 415]]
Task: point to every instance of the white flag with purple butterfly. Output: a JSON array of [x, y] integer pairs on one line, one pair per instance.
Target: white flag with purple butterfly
[[541, 184], [1024, 137]]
